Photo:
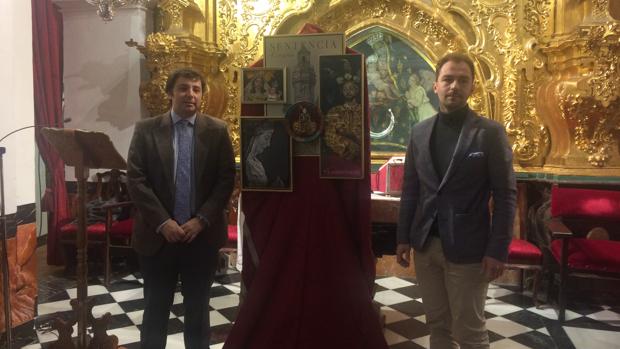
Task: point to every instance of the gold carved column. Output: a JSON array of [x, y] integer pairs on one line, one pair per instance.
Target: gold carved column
[[580, 98], [185, 36]]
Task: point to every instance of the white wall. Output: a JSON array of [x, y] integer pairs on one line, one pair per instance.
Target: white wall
[[16, 102], [101, 73]]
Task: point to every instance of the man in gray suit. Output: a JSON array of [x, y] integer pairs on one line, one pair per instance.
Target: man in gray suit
[[181, 172], [456, 162]]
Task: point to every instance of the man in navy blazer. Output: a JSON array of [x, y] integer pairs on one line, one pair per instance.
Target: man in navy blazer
[[456, 162], [181, 171]]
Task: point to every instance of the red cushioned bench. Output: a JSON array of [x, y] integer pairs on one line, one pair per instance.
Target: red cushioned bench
[[574, 212]]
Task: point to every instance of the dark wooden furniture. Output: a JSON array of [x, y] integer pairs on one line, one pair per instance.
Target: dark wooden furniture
[[84, 150], [109, 221]]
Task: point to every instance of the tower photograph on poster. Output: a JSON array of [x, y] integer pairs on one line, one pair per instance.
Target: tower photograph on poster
[[265, 155], [300, 55], [342, 104]]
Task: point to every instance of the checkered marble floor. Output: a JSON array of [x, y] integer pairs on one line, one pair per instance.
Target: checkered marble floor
[[512, 319]]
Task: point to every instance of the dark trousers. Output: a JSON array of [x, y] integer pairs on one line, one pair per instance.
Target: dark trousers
[[195, 263]]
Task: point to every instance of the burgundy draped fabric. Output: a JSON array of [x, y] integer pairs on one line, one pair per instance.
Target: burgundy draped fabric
[[312, 286], [47, 69]]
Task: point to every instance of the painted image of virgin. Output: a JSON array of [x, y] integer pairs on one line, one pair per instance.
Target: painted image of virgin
[[256, 88], [266, 156]]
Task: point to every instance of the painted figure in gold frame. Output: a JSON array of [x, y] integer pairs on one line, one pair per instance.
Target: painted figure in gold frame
[[400, 81]]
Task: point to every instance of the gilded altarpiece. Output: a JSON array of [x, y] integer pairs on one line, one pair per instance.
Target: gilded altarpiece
[[548, 70]]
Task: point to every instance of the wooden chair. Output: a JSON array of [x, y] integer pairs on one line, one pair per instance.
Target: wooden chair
[[574, 213], [523, 255], [117, 235], [111, 228]]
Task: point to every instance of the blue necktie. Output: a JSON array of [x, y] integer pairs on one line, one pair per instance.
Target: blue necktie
[[182, 198]]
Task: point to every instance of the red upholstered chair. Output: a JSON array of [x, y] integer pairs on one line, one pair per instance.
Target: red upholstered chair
[[231, 245], [524, 255], [574, 213]]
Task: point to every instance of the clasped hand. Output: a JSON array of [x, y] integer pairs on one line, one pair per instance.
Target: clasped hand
[[173, 232]]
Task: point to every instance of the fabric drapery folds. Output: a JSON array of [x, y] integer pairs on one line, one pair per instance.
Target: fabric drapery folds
[[47, 75], [308, 266]]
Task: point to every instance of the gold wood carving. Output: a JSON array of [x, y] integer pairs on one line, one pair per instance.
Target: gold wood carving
[[600, 9], [180, 16], [604, 42], [536, 16], [509, 27], [176, 46], [585, 84], [161, 52], [594, 126]]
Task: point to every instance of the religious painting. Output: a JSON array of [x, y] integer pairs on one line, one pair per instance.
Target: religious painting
[[300, 55], [265, 155], [263, 85], [400, 88], [304, 121], [342, 103]]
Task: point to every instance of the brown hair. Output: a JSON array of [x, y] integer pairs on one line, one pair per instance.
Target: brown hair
[[455, 57], [187, 73]]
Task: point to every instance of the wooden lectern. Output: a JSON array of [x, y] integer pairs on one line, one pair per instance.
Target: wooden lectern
[[84, 150]]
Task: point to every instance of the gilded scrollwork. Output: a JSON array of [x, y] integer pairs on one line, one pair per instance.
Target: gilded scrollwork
[[594, 125], [412, 18], [161, 51], [475, 101], [531, 138], [536, 17], [493, 19], [604, 42], [435, 32], [585, 83], [173, 13], [600, 9], [511, 27], [375, 9]]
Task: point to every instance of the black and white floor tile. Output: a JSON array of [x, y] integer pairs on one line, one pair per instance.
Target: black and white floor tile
[[512, 319]]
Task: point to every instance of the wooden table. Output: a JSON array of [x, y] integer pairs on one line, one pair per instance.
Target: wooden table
[[384, 209], [384, 219]]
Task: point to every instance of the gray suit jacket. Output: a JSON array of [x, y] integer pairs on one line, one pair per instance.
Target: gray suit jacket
[[481, 167], [150, 166]]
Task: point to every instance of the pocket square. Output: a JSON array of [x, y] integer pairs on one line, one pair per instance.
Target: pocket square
[[475, 155]]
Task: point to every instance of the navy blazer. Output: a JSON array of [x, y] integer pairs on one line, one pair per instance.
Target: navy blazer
[[481, 168], [151, 186]]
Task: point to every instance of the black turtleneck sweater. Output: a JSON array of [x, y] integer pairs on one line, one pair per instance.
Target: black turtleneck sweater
[[445, 135], [443, 143]]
